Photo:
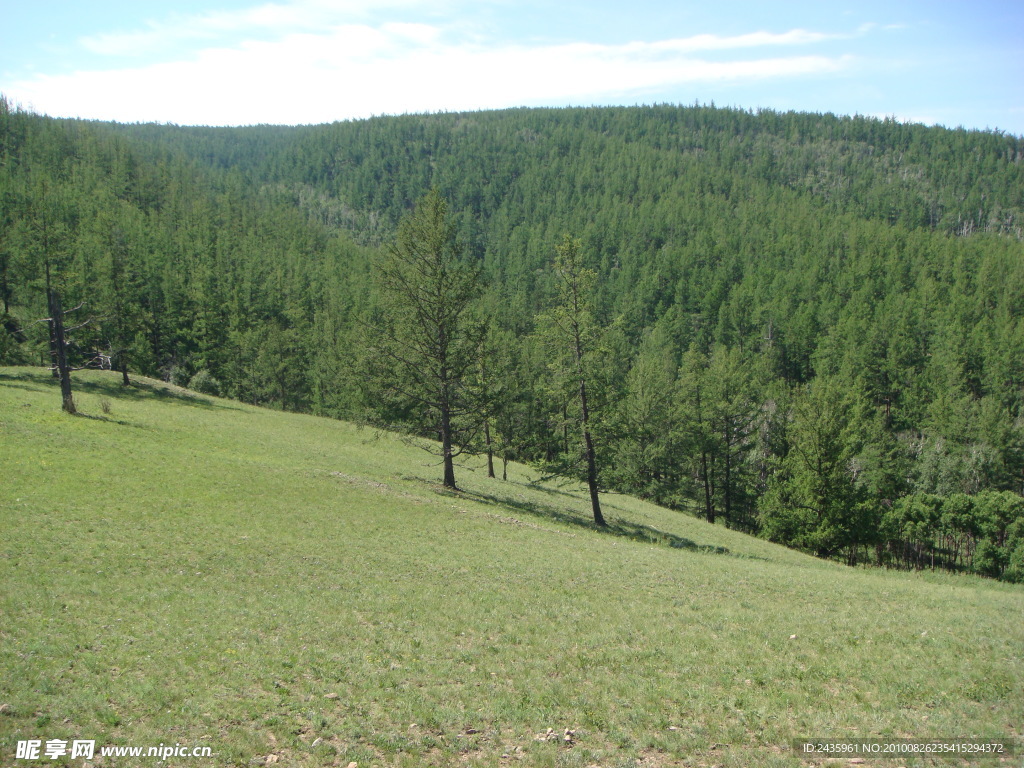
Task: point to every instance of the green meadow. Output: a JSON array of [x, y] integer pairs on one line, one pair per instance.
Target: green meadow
[[290, 590]]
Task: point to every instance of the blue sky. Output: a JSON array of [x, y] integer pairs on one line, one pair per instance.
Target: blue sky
[[238, 62]]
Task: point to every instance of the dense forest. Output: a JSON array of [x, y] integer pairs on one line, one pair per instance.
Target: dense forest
[[803, 326]]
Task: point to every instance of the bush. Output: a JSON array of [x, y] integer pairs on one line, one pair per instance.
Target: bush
[[989, 560], [204, 383], [1015, 568], [11, 352]]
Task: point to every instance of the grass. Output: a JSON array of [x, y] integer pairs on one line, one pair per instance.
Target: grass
[[285, 589]]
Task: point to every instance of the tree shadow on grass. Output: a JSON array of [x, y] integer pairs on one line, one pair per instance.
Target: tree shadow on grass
[[112, 387], [14, 383], [643, 534], [140, 390], [105, 419]]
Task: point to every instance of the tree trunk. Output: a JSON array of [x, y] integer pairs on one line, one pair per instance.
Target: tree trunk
[[565, 427], [490, 451], [122, 366], [446, 447], [727, 489], [709, 504], [588, 443], [59, 345]]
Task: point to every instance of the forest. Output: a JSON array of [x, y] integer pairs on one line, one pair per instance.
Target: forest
[[807, 327]]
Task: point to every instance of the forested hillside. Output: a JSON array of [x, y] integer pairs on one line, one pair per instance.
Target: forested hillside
[[804, 326]]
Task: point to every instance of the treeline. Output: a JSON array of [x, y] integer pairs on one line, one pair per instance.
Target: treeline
[[181, 271], [805, 326]]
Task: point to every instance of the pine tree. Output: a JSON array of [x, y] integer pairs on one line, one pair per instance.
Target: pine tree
[[423, 346], [572, 333], [813, 501]]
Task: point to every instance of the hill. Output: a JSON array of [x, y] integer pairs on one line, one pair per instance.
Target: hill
[[183, 569], [776, 297]]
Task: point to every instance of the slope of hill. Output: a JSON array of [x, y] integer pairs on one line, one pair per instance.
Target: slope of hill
[[780, 263], [181, 569]]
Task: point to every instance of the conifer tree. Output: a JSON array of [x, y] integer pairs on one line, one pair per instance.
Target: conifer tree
[[422, 342], [813, 501], [573, 331]]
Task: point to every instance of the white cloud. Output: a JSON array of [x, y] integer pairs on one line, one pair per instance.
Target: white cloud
[[275, 18], [750, 40], [357, 70]]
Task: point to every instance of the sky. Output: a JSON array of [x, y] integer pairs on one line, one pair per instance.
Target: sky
[[290, 62]]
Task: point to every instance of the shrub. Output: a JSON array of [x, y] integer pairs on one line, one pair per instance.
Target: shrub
[[1015, 568], [989, 559], [204, 383]]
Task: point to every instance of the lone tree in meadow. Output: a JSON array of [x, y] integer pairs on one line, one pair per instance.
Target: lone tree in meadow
[[59, 345], [49, 241], [422, 345], [572, 332]]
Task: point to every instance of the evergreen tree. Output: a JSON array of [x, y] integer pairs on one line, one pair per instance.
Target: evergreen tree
[[644, 458], [812, 500], [571, 331], [423, 346]]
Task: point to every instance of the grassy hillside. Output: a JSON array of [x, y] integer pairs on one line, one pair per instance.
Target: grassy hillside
[[878, 263], [287, 589]]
